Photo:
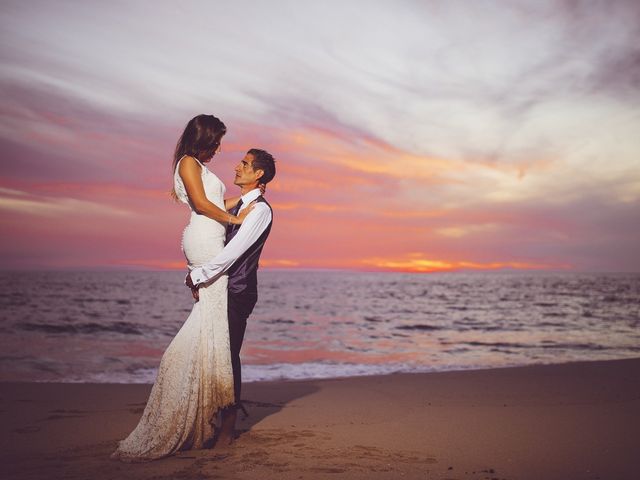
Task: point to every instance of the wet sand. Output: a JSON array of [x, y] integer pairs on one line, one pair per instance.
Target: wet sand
[[564, 422]]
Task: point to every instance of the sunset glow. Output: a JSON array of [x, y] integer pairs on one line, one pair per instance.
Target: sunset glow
[[460, 137]]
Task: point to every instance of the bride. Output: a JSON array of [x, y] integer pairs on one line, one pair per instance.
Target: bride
[[195, 378]]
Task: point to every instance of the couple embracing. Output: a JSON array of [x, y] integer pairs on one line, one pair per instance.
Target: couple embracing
[[200, 374]]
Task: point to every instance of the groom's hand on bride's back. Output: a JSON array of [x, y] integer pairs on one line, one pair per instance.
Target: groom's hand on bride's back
[[194, 290], [195, 293]]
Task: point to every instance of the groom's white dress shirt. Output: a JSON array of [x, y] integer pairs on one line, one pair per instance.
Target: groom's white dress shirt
[[253, 225]]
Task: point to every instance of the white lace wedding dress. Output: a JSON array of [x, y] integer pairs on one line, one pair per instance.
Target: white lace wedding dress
[[195, 377]]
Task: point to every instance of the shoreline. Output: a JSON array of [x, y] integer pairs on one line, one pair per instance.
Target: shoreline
[[563, 421], [341, 377]]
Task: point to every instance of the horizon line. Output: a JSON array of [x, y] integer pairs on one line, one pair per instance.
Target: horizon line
[[138, 268]]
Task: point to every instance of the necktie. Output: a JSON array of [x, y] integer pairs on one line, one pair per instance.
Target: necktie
[[234, 211], [238, 207]]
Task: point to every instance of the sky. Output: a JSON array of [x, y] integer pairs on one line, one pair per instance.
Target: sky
[[414, 136]]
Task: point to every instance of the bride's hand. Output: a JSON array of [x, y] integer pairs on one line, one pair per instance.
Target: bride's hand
[[263, 188], [241, 216]]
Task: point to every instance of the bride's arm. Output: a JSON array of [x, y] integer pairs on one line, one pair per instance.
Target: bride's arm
[[229, 203], [191, 174]]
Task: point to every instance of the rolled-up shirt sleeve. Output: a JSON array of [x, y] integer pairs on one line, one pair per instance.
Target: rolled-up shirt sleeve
[[254, 225]]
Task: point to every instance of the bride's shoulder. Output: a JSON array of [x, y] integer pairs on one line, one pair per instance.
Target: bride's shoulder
[[188, 163], [189, 159]]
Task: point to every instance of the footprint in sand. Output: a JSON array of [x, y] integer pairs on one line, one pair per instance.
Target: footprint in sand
[[62, 414], [28, 429], [253, 403], [60, 417], [327, 470]]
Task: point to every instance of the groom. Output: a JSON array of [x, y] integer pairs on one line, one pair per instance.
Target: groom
[[239, 259]]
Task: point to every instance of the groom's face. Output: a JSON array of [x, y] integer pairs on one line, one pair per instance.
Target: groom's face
[[245, 174]]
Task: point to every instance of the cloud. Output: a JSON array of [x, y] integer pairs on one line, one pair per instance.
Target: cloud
[[24, 203]]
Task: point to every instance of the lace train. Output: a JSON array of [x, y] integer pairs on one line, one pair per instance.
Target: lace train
[[194, 381]]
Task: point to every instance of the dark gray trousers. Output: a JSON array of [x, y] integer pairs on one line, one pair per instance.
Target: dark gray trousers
[[239, 307]]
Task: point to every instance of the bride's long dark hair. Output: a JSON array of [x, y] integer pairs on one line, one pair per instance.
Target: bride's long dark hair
[[200, 139]]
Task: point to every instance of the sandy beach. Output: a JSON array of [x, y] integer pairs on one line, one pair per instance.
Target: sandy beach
[[565, 422]]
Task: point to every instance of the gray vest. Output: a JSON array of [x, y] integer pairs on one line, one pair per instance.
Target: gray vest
[[243, 274]]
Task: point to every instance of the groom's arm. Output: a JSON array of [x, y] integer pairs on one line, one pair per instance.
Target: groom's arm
[[254, 225]]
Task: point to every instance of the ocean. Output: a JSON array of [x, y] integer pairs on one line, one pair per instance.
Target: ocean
[[113, 327]]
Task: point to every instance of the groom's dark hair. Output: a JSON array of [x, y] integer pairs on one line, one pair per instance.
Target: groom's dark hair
[[263, 160]]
